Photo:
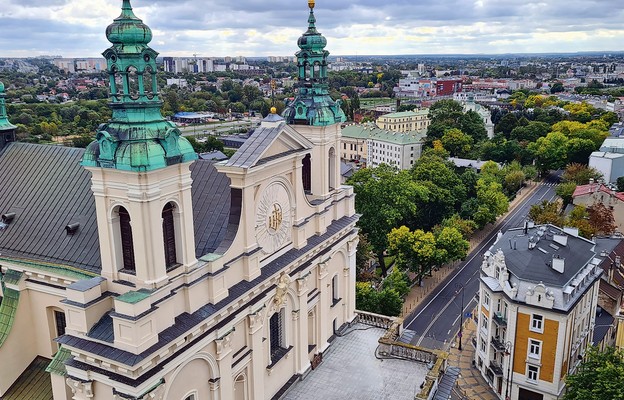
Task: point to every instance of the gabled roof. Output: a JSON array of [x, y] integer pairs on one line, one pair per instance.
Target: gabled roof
[[595, 188], [47, 189], [259, 145]]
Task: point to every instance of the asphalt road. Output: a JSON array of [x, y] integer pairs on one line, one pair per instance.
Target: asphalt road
[[220, 128], [435, 322]]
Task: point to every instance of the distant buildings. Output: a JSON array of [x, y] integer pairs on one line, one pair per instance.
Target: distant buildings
[[588, 195], [416, 87], [537, 306], [406, 121], [609, 160], [377, 146], [80, 65], [192, 65]]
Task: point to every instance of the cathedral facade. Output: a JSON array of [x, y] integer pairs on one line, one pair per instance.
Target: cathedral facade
[[142, 272]]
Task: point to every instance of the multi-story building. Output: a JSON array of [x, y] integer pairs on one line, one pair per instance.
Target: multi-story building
[[146, 273], [354, 142], [400, 150], [188, 64], [538, 293], [592, 193], [407, 121]]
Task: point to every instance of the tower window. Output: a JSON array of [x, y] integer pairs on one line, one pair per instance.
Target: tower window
[[127, 244], [307, 173], [60, 322], [169, 236]]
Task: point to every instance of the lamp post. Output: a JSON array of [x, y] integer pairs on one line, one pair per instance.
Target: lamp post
[[509, 362], [458, 288]]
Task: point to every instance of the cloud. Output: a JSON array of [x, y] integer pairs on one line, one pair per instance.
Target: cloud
[[75, 28]]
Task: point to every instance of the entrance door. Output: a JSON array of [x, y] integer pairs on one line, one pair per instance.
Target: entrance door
[[525, 394]]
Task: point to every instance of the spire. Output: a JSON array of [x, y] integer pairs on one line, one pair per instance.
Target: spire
[[137, 138], [7, 129], [313, 105]]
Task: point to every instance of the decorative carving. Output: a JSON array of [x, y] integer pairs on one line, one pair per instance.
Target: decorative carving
[[302, 285], [295, 315], [273, 218], [224, 345], [256, 321], [80, 390], [282, 289], [322, 269]]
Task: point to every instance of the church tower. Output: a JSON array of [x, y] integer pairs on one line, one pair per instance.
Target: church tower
[[315, 115], [7, 130], [140, 168]]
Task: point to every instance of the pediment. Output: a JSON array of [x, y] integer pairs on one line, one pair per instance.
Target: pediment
[[269, 142]]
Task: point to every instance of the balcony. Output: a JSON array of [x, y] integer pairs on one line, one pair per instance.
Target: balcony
[[498, 344], [499, 319], [496, 368]]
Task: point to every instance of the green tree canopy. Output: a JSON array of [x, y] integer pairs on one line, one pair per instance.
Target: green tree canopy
[[600, 376]]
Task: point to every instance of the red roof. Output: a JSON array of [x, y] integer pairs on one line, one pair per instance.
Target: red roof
[[595, 188]]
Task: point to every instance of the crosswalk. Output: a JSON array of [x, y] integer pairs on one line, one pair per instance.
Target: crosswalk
[[549, 184]]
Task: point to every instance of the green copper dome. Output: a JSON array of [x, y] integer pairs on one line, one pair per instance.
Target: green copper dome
[[127, 29], [5, 125], [313, 105], [137, 138]]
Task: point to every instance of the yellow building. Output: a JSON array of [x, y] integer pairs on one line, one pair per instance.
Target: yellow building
[[407, 121], [537, 305]]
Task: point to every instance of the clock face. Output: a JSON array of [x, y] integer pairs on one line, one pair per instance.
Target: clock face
[[273, 218]]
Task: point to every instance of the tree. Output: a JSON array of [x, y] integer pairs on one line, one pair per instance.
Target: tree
[[565, 191], [363, 255], [456, 142], [601, 218], [384, 198], [580, 174], [557, 87], [531, 132], [398, 281], [620, 184], [551, 152], [490, 202], [415, 251], [386, 302], [452, 244], [513, 181], [579, 219], [600, 376], [473, 126], [546, 213]]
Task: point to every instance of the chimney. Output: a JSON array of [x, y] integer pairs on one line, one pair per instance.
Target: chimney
[[558, 264], [561, 239]]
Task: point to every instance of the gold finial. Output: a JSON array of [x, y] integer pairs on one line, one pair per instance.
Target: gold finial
[[311, 4], [273, 110]]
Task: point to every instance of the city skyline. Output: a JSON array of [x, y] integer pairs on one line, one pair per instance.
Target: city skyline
[[252, 28]]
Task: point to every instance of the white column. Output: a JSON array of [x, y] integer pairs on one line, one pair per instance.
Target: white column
[[258, 366]]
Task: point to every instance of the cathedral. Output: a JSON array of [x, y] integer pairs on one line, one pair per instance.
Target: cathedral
[[134, 270]]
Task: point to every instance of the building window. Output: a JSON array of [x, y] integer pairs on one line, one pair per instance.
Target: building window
[[484, 324], [307, 173], [335, 298], [127, 244], [486, 300], [169, 236], [61, 323], [532, 373], [537, 323], [276, 335], [483, 345], [535, 348]]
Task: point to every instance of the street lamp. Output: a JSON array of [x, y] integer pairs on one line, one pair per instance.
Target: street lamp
[[458, 288], [509, 362]]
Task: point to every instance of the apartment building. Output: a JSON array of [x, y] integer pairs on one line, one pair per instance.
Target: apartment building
[[406, 121]]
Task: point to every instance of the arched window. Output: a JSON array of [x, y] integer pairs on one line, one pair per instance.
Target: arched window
[[335, 298], [132, 83], [307, 173], [169, 236], [148, 82], [127, 244], [317, 70]]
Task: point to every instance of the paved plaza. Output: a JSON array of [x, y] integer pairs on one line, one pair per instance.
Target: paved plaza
[[350, 370]]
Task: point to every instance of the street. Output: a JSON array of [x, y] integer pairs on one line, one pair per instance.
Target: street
[[435, 322], [218, 128]]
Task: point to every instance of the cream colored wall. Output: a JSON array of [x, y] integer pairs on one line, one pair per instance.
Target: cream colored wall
[[609, 201], [360, 148]]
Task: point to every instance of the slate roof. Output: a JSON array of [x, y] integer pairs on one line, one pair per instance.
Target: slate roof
[[47, 189], [33, 384], [253, 148], [604, 321], [533, 265]]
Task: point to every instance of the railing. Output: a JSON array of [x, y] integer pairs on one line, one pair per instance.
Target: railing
[[498, 344], [496, 368], [499, 319], [378, 320]]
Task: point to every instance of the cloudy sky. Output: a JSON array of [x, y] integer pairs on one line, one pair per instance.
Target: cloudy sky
[[75, 28]]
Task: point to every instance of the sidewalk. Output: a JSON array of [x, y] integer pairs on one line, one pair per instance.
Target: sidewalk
[[470, 383], [418, 293]]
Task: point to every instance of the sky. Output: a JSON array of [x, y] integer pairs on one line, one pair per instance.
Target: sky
[[254, 28]]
